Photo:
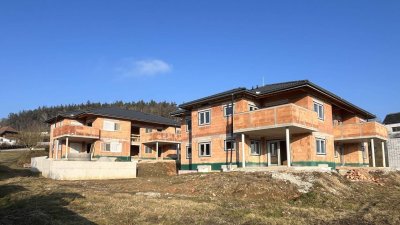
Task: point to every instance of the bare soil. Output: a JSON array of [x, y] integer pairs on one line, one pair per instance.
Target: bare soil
[[213, 198]]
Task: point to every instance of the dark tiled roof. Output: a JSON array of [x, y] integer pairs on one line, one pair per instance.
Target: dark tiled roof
[[118, 113], [278, 87], [216, 96], [131, 115], [178, 112], [392, 118], [7, 129]]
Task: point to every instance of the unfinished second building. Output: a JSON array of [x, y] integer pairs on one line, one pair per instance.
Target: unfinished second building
[[113, 132], [294, 123]]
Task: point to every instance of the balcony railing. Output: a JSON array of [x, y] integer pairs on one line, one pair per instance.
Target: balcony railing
[[360, 131], [283, 115], [161, 137], [135, 138], [76, 131]]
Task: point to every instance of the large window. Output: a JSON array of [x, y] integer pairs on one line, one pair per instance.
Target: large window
[[111, 126], [112, 147], [255, 148], [147, 150], [205, 149], [188, 125], [319, 108], [188, 152], [228, 110], [396, 129], [204, 117], [320, 146], [229, 145]]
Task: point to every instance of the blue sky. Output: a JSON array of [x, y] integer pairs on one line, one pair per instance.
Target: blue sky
[[60, 52]]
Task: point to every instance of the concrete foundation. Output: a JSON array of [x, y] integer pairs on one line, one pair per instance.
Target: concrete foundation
[[83, 170]]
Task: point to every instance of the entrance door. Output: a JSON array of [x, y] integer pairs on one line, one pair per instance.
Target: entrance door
[[159, 151], [274, 153], [75, 147]]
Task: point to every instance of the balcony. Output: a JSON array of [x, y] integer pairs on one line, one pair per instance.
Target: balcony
[[162, 137], [360, 131], [135, 139], [289, 115], [76, 131]]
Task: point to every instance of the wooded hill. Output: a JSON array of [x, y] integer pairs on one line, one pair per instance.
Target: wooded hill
[[35, 119]]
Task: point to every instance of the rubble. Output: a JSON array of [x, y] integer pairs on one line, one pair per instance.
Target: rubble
[[361, 175]]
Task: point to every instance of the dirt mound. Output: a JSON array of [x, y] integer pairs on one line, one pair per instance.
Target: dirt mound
[[363, 175], [157, 168]]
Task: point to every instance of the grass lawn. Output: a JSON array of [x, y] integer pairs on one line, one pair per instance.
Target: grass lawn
[[214, 198]]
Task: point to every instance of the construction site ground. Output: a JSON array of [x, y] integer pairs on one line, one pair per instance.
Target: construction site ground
[[359, 196]]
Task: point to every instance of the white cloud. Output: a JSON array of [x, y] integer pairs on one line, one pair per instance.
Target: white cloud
[[140, 68]]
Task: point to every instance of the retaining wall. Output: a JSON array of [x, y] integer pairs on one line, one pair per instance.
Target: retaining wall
[[83, 170]]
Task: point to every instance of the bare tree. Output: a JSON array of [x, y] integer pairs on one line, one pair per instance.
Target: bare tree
[[30, 137]]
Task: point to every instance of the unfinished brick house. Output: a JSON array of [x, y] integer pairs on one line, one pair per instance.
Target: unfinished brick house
[[113, 132], [294, 123], [392, 123]]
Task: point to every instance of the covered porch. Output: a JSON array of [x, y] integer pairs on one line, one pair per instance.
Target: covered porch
[[73, 148], [365, 151], [270, 146]]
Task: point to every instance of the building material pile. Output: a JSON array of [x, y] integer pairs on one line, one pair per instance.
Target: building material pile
[[362, 175]]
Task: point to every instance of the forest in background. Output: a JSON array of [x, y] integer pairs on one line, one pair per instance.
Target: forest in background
[[35, 119]]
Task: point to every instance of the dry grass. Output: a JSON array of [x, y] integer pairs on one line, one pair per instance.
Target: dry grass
[[215, 198]]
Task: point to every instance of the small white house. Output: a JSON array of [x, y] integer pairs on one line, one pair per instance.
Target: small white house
[[6, 141], [392, 123], [7, 136]]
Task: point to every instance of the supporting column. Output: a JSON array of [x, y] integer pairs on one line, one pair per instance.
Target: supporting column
[[178, 152], [243, 153], [373, 152], [279, 153], [288, 147], [157, 150], [383, 154], [268, 153], [57, 148], [66, 148]]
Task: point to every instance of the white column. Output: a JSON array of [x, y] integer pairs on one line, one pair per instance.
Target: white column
[[279, 153], [383, 154], [288, 147], [57, 149], [157, 150], [66, 148], [243, 153], [178, 152], [373, 152], [268, 153]]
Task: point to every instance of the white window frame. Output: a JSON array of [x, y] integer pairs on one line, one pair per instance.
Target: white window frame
[[319, 143], [187, 152], [257, 149], [109, 125], [252, 106], [148, 130], [232, 140], [319, 110], [226, 107], [201, 144], [147, 149], [187, 124], [114, 146], [201, 114]]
